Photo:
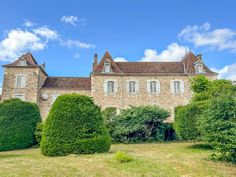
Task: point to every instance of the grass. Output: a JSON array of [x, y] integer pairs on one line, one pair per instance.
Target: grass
[[161, 159]]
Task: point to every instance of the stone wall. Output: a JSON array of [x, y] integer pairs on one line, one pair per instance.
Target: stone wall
[[122, 99], [45, 105], [30, 91]]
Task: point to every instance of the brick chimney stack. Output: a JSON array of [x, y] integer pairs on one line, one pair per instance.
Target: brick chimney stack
[[95, 61]]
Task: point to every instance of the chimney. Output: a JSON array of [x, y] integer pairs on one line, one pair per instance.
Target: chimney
[[43, 66], [95, 61]]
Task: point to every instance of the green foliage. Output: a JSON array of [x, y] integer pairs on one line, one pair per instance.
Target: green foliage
[[74, 126], [123, 157], [186, 117], [218, 127], [139, 124], [38, 132], [109, 113], [200, 84], [18, 120]]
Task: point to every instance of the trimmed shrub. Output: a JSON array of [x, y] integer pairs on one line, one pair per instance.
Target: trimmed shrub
[[218, 127], [186, 117], [139, 124], [74, 126], [18, 121]]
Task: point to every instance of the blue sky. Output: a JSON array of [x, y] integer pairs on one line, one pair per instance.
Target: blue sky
[[66, 34]]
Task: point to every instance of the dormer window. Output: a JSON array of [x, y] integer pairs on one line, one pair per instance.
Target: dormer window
[[107, 67], [22, 62], [199, 68]]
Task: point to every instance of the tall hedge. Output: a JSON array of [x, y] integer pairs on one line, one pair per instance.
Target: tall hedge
[[139, 124], [18, 121], [186, 118], [74, 126], [218, 127]]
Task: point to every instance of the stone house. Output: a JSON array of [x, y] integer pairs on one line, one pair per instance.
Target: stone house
[[111, 84]]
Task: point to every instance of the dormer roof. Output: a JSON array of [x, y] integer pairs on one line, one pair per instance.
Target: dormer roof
[[107, 58], [28, 57]]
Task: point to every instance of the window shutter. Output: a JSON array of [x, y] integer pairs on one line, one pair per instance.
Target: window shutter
[[105, 86], [136, 86], [148, 86], [158, 87], [181, 86], [115, 86], [23, 81], [172, 87]]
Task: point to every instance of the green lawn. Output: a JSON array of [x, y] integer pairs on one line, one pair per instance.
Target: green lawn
[[164, 159]]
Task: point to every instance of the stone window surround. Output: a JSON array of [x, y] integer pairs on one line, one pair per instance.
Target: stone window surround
[[158, 86], [24, 80], [181, 86], [136, 86], [106, 86]]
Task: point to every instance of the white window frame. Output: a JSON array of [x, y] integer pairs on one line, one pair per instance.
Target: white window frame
[[110, 87], [198, 70], [115, 86], [173, 86], [107, 67], [157, 86], [19, 96], [135, 89], [22, 82]]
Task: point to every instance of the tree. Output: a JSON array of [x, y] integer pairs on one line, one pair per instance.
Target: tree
[[200, 84]]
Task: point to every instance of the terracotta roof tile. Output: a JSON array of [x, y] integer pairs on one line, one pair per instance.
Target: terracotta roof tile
[[80, 83], [29, 59]]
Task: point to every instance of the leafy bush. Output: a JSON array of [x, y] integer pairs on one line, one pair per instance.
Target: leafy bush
[[38, 132], [139, 124], [123, 157], [18, 120], [109, 113], [218, 127], [74, 126], [186, 118], [200, 84]]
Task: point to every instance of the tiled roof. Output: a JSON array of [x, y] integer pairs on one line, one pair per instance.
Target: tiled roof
[[29, 59], [80, 83], [151, 67], [186, 66]]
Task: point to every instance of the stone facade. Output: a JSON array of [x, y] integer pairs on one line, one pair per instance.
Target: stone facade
[[43, 90]]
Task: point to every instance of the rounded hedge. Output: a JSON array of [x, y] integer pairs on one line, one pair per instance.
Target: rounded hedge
[[74, 126], [18, 121]]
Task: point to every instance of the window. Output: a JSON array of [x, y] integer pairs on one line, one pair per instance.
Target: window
[[199, 68], [22, 62], [20, 81], [107, 67], [110, 87], [20, 96], [132, 87], [176, 86]]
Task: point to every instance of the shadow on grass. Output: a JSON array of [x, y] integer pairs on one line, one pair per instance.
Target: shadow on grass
[[10, 156], [201, 146]]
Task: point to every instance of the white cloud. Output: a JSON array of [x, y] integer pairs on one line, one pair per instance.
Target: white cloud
[[220, 39], [28, 23], [120, 59], [17, 42], [75, 43], [227, 72], [46, 32], [73, 20], [174, 52]]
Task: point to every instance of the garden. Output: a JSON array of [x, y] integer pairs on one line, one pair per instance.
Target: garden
[[78, 139]]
